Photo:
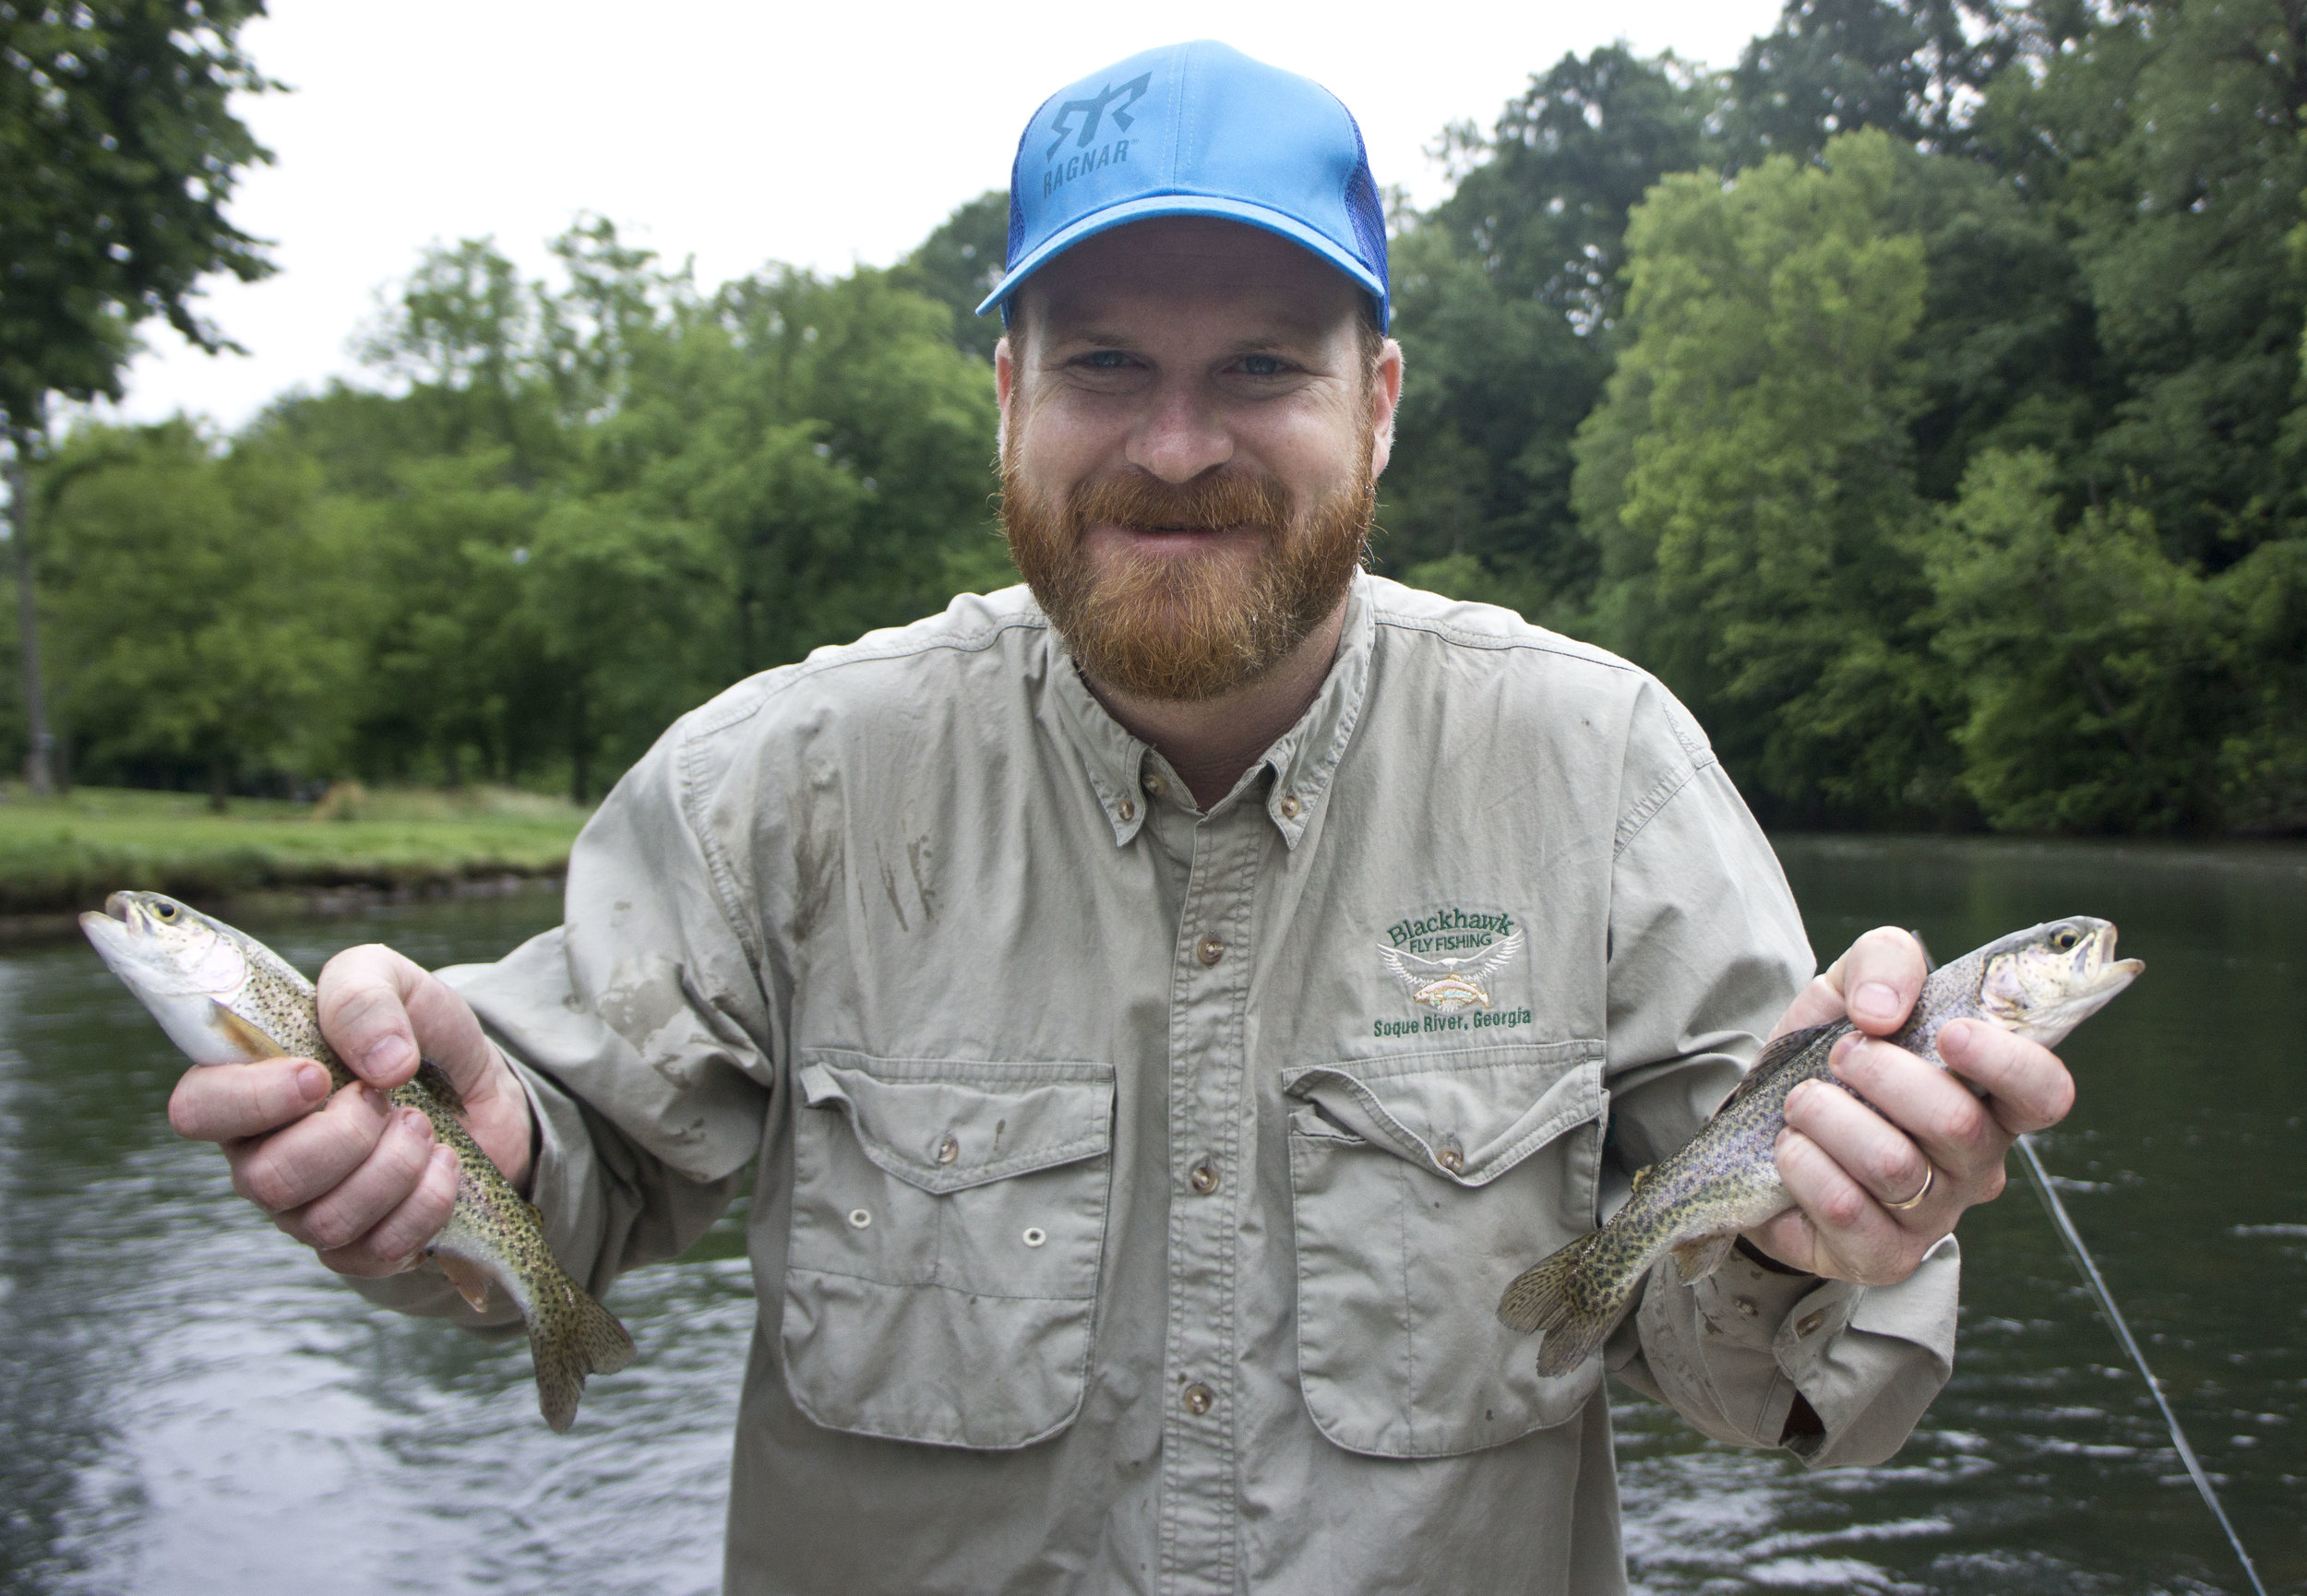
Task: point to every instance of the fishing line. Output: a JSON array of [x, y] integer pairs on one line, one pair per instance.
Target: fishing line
[[2082, 1257]]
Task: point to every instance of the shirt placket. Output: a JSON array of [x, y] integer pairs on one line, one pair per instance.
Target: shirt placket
[[1210, 986]]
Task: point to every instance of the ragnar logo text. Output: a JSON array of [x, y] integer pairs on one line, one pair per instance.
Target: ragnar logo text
[[1057, 177]]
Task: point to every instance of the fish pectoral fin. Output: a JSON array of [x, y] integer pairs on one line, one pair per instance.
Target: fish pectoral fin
[[1694, 1260], [242, 1034], [470, 1280]]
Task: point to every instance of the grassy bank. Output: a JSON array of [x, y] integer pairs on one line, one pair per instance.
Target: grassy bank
[[66, 854]]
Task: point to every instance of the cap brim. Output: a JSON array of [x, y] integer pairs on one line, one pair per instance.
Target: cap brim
[[1155, 204]]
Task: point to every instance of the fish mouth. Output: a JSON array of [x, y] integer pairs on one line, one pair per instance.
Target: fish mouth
[[117, 907], [2097, 965]]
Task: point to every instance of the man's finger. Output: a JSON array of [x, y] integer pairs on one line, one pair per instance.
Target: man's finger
[[293, 1166], [374, 1003], [1854, 1239], [1874, 986], [230, 1102], [1924, 1107], [396, 1242], [355, 1206], [2027, 1088], [1869, 1149]]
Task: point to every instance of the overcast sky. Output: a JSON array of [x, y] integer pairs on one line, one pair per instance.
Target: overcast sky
[[823, 135]]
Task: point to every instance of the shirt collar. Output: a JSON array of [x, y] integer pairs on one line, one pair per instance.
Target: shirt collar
[[1303, 759]]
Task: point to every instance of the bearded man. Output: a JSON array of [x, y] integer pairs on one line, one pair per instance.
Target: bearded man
[[1166, 1004]]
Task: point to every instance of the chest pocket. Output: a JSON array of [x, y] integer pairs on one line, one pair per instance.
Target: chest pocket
[[948, 1220], [1419, 1188]]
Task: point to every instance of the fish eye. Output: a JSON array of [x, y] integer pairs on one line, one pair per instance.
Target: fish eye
[[165, 910], [2064, 939]]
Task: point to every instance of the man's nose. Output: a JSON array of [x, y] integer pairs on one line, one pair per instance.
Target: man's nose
[[1181, 434]]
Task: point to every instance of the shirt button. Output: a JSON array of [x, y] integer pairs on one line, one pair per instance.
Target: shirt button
[[1746, 1305], [1203, 1177], [1198, 1397], [1290, 806], [1810, 1322], [947, 1150], [1128, 810], [1210, 951], [1154, 784], [1450, 1159]]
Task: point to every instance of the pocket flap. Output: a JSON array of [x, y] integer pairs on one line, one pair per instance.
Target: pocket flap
[[944, 1125], [1469, 1117]]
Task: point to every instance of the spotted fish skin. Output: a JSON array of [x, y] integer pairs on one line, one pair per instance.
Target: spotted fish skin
[[225, 997], [2039, 982]]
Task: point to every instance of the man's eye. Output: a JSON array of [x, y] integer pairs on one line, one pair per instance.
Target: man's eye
[[1106, 360], [1260, 366]]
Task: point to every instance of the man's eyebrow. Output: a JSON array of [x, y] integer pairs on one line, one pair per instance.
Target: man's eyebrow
[[1103, 338], [1295, 339]]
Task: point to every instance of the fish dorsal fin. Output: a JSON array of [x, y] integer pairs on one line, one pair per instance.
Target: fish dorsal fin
[[1641, 1176], [435, 1080], [1779, 1052], [242, 1034]]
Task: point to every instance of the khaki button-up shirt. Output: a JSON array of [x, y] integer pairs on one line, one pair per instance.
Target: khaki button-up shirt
[[1136, 1184]]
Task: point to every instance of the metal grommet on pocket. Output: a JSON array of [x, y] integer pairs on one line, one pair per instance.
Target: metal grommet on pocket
[[859, 1219], [949, 1150], [1034, 1236], [1450, 1159]]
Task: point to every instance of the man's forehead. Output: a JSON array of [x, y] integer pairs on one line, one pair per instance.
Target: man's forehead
[[1175, 262]]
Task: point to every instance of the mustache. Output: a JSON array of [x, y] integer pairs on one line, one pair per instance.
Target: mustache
[[1208, 503]]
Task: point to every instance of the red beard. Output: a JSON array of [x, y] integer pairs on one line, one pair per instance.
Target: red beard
[[1186, 628]]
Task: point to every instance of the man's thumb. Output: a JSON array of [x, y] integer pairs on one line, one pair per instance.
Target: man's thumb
[[383, 1012]]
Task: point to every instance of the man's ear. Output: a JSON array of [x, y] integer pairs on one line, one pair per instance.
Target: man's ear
[[1385, 398]]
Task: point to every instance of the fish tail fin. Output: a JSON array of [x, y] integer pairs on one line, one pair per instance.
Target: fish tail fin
[[1576, 1297], [583, 1339]]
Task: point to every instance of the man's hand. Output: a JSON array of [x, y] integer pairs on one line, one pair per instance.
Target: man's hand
[[1853, 1167], [360, 1181]]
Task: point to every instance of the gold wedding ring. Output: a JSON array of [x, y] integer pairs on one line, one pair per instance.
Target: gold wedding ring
[[1929, 1175]]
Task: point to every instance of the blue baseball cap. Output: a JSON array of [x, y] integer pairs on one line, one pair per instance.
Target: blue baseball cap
[[1195, 129]]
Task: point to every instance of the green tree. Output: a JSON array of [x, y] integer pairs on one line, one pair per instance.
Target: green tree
[[1913, 68], [1506, 297], [198, 604], [118, 152], [2168, 140], [1748, 478], [959, 263]]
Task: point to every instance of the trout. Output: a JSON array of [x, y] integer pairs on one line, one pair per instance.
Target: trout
[[224, 997], [2040, 983]]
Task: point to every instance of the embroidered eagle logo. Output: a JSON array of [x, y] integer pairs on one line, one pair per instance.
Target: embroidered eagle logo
[[1447, 985]]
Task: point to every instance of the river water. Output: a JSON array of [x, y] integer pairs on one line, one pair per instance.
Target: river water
[[188, 1405]]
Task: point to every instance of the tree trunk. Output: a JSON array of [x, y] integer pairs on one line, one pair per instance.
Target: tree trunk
[[220, 783], [38, 773]]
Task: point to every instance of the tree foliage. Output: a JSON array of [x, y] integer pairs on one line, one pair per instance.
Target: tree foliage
[[118, 152], [1921, 396], [1941, 435]]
